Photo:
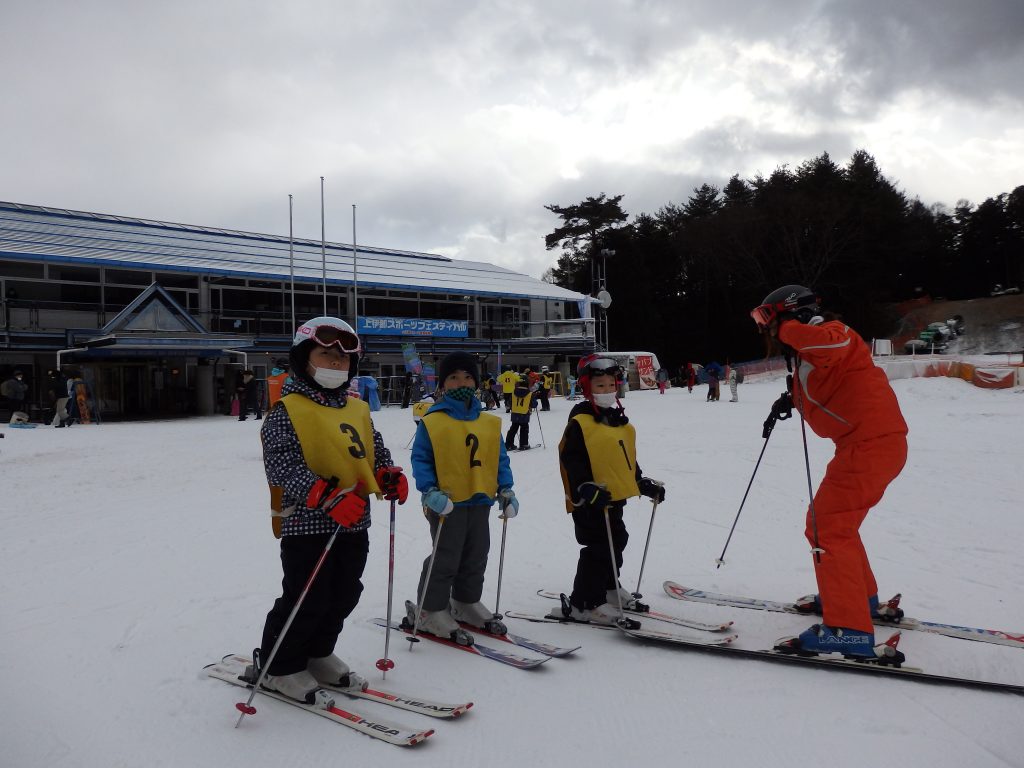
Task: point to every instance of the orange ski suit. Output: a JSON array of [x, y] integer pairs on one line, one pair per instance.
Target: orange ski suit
[[844, 396]]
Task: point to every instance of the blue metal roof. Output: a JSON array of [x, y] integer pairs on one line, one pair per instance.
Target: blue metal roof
[[58, 235]]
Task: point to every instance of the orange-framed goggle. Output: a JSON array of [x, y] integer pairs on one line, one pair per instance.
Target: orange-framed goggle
[[331, 336]]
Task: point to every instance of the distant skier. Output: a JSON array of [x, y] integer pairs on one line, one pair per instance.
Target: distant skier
[[843, 396], [508, 381], [461, 468], [323, 459], [522, 404], [662, 378], [733, 385], [597, 455], [547, 381], [248, 391], [714, 373]]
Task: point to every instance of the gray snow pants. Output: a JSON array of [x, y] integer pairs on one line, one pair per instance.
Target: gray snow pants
[[461, 557]]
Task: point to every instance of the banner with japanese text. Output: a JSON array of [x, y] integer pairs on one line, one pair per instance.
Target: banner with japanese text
[[413, 326]]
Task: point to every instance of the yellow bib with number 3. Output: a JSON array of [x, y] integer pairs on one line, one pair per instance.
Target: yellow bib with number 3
[[466, 454], [336, 442]]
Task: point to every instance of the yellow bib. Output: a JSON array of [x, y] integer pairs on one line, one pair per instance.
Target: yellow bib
[[336, 442], [466, 454], [508, 382], [419, 410], [549, 381], [612, 453], [521, 404]]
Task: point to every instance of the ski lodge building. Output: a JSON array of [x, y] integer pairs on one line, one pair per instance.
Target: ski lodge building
[[159, 317]]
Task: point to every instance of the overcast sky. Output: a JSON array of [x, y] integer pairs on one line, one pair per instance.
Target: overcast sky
[[451, 123]]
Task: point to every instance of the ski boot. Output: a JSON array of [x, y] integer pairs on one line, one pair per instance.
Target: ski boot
[[475, 614], [437, 623], [629, 601], [605, 615], [332, 671], [851, 643], [889, 611], [301, 686]]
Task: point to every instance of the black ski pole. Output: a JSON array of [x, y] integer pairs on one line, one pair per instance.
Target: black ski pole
[[654, 510], [778, 413], [426, 583], [817, 550]]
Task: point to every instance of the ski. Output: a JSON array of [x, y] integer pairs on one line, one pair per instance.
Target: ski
[[643, 632], [847, 665], [513, 660], [667, 618], [524, 642], [1012, 639], [230, 670]]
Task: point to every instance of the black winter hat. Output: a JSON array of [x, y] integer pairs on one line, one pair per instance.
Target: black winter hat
[[458, 361]]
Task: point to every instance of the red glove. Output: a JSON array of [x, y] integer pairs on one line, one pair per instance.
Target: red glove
[[345, 507], [393, 484]]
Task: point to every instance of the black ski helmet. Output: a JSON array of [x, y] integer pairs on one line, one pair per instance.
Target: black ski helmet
[[327, 332], [789, 301]]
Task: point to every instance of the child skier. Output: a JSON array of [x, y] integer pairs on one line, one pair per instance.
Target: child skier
[[599, 473], [522, 403], [323, 458], [461, 467], [842, 395]]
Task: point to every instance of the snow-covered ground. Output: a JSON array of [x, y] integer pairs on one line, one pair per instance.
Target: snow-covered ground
[[133, 554]]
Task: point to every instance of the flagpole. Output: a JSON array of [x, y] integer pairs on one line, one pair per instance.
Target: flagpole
[[291, 258], [355, 270], [323, 244]]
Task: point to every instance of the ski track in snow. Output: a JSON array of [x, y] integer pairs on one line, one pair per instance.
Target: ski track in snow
[[133, 554]]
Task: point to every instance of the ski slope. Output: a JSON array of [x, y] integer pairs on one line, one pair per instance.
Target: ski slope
[[133, 554]]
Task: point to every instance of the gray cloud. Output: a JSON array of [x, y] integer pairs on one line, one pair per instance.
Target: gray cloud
[[451, 125]]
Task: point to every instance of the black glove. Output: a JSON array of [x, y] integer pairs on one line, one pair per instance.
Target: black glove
[[593, 496], [652, 489], [782, 408]]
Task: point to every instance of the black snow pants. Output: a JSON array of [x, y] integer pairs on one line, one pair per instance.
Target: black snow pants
[[594, 571], [332, 597]]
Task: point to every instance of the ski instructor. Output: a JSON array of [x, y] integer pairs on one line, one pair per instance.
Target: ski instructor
[[843, 396]]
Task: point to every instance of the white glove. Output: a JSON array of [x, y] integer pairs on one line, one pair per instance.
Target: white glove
[[509, 504]]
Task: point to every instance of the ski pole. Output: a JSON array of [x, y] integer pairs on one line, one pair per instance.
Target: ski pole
[[769, 425], [501, 568], [622, 622], [654, 510], [386, 663], [426, 583], [246, 708], [540, 426], [817, 550]]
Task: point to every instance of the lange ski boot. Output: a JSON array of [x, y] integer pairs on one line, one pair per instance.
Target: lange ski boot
[[889, 611], [851, 643]]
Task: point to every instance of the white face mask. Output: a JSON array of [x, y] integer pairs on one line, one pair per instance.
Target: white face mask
[[329, 378], [605, 400]]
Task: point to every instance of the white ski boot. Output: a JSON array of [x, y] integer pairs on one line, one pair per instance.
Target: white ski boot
[[629, 603], [475, 614], [605, 614], [437, 623], [300, 686], [332, 671]]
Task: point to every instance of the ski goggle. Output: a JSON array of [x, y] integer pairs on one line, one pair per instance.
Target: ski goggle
[[602, 366], [332, 336], [764, 314]]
